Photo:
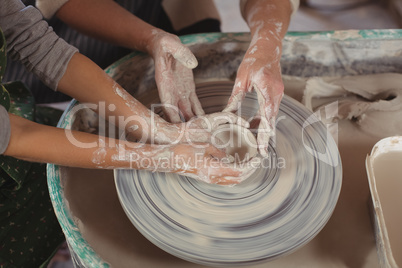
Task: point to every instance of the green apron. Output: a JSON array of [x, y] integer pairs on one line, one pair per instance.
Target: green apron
[[29, 230]]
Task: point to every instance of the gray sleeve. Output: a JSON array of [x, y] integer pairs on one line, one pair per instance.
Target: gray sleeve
[[30, 40], [49, 7], [5, 130]]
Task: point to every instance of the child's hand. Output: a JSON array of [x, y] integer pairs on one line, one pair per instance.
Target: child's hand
[[200, 161]]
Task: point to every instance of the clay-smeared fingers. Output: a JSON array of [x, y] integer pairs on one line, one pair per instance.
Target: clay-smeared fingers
[[226, 181], [174, 77], [213, 169], [238, 93], [172, 114], [265, 131], [186, 109], [228, 117], [184, 55], [214, 152], [196, 105], [211, 121], [235, 100], [189, 103]]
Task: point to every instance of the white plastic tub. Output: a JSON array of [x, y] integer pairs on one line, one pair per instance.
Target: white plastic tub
[[384, 170]]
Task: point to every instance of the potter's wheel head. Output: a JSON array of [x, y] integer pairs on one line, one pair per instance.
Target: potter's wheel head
[[281, 207]]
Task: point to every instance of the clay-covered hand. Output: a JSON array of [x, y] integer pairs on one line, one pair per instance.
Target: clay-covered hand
[[174, 77], [207, 163], [198, 129], [260, 71], [201, 161], [190, 149]]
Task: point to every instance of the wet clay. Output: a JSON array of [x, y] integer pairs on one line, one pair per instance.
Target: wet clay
[[237, 141]]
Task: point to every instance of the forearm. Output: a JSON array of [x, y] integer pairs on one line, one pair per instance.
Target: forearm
[[39, 143], [267, 19], [108, 21], [86, 82]]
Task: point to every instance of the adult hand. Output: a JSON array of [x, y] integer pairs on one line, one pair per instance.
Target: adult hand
[[174, 77], [260, 71]]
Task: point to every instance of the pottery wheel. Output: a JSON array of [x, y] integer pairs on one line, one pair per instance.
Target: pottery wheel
[[281, 207]]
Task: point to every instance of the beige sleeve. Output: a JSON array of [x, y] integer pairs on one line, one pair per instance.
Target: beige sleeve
[[294, 3], [183, 13], [49, 7]]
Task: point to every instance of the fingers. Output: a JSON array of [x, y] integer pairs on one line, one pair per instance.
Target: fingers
[[200, 129], [169, 106], [184, 55], [174, 93], [176, 88], [213, 168], [267, 112], [171, 113], [264, 127], [265, 131], [214, 152], [227, 181], [185, 109], [164, 78], [235, 101], [189, 106], [237, 96], [185, 90], [234, 119], [196, 105], [263, 141], [167, 43], [214, 120]]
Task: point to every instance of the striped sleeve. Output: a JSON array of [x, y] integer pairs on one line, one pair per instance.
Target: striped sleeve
[[31, 41]]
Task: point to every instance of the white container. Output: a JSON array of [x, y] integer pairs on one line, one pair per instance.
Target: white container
[[384, 170]]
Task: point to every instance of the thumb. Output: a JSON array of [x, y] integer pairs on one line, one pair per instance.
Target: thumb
[[184, 55], [215, 152], [238, 94], [235, 101]]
